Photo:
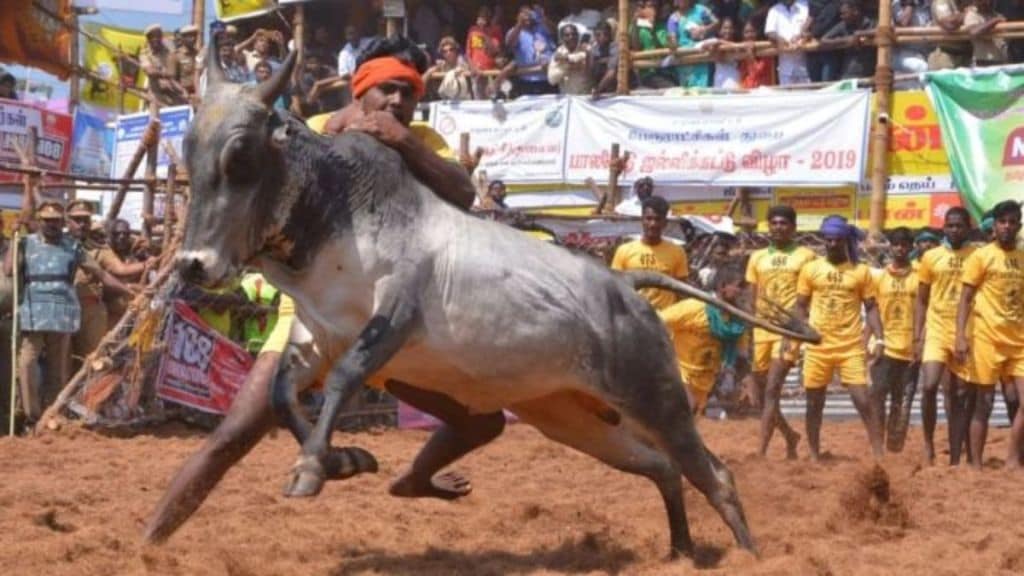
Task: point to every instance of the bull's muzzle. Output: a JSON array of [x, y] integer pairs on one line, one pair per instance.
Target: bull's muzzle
[[195, 266]]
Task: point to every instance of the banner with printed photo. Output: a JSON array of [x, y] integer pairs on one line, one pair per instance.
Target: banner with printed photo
[[92, 145], [523, 140], [53, 145], [112, 67], [32, 33], [982, 119], [794, 139], [199, 368], [228, 10]]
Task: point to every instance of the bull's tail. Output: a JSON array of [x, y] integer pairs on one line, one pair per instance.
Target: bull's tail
[[792, 328]]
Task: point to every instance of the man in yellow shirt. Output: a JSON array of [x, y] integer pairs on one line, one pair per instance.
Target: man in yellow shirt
[[387, 94], [705, 338], [772, 274], [894, 370], [938, 295], [993, 288], [834, 289], [651, 252]]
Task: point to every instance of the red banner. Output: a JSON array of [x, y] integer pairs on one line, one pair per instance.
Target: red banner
[[32, 34], [53, 147], [200, 368]]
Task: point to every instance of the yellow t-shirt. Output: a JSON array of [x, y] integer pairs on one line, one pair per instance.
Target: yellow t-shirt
[[775, 272], [940, 269], [698, 352], [421, 130], [896, 294], [999, 303], [664, 257], [837, 294]]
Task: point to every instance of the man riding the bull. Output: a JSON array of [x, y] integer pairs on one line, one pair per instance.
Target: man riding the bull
[[387, 86]]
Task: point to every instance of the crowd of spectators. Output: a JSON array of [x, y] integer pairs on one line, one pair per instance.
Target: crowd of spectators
[[569, 48]]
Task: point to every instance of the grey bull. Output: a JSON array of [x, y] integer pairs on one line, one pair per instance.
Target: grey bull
[[393, 281]]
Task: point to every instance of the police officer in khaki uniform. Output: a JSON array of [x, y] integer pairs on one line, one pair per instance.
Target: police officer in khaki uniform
[[188, 58], [49, 312], [88, 288]]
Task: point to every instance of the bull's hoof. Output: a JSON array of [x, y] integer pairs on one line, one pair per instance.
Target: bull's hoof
[[307, 478], [348, 461]]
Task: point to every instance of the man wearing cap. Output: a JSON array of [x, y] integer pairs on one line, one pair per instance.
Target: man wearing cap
[[49, 312], [832, 291], [161, 66], [188, 58]]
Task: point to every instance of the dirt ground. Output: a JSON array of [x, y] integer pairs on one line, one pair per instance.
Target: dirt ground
[[75, 503]]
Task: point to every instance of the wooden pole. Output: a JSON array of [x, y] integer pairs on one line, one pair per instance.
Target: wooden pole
[[880, 126], [150, 135], [27, 155], [622, 74], [74, 94], [15, 240], [170, 217], [614, 195], [152, 155], [199, 21], [299, 38]]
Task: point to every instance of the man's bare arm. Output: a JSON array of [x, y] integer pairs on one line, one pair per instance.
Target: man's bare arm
[[961, 346]]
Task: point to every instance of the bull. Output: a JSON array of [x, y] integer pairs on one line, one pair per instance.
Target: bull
[[393, 281]]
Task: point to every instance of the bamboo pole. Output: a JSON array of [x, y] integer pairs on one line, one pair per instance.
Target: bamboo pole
[[23, 169], [152, 155], [625, 57], [170, 217], [74, 93], [299, 38], [15, 273], [614, 194], [199, 21], [148, 136], [880, 126]]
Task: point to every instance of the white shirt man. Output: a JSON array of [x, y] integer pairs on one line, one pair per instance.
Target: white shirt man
[[785, 24]]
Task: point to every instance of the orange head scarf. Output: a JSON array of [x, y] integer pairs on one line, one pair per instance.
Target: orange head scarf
[[378, 70]]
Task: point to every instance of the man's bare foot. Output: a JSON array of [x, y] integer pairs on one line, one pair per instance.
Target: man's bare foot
[[447, 486], [792, 441], [929, 455], [1013, 465]]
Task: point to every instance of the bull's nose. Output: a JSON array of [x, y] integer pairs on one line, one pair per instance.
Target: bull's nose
[[191, 268]]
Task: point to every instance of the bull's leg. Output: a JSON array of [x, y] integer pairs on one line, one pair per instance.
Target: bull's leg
[[299, 365], [563, 418], [380, 339], [460, 433]]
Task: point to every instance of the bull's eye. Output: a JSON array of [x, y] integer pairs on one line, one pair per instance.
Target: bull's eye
[[238, 162]]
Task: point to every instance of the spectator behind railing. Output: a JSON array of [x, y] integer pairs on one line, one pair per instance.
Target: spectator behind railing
[[947, 15], [979, 20], [584, 19], [859, 61], [823, 16], [530, 45], [648, 32], [786, 26], [569, 69], [456, 83], [604, 60], [755, 71], [484, 50], [727, 71], [689, 24], [1013, 10], [263, 72], [911, 58]]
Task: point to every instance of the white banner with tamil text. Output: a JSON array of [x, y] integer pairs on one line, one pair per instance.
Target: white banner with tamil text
[[523, 140]]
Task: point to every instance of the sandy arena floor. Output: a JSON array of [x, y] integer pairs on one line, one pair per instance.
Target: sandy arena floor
[[75, 503]]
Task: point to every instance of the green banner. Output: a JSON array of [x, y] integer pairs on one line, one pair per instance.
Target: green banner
[[981, 115]]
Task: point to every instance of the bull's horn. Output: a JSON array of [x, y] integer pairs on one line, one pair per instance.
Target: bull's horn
[[272, 87], [214, 70]]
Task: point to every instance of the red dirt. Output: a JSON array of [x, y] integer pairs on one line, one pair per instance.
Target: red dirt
[[75, 504]]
